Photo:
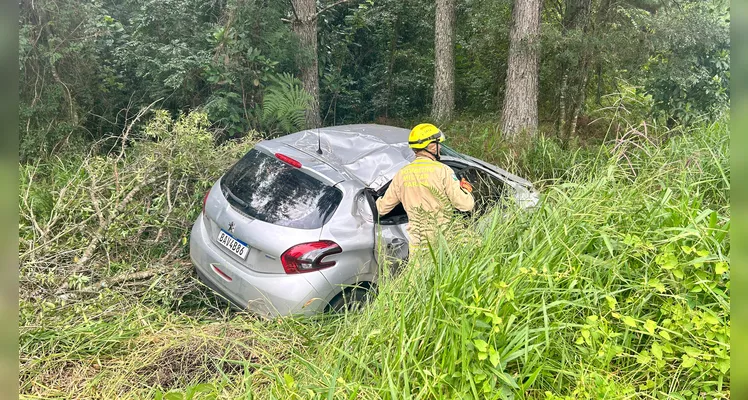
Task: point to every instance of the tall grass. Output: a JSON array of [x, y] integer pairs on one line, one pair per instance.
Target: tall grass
[[615, 286]]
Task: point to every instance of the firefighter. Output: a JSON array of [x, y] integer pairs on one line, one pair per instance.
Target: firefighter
[[428, 189]]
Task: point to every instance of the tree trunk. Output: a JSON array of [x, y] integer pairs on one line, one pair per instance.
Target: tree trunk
[[578, 93], [305, 28], [391, 67], [444, 71], [576, 18], [579, 104], [561, 121], [520, 110]]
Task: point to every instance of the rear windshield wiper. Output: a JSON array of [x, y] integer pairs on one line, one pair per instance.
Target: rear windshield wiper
[[233, 196]]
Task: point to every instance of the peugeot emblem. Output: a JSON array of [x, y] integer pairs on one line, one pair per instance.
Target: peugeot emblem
[[231, 226]]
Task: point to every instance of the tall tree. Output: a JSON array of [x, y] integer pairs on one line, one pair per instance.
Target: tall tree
[[305, 28], [573, 91], [520, 109], [444, 74]]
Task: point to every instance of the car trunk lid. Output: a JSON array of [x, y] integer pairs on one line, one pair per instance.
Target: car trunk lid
[[267, 203]]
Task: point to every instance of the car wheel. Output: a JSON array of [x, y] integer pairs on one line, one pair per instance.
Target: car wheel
[[353, 299]]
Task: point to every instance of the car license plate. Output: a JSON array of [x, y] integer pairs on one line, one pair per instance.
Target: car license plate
[[233, 245]]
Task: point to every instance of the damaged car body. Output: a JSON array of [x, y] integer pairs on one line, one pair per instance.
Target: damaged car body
[[289, 229]]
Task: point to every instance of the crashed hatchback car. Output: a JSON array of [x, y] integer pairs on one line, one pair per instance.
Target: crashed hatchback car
[[289, 229]]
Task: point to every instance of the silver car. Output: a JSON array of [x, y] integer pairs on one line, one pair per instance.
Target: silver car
[[289, 229]]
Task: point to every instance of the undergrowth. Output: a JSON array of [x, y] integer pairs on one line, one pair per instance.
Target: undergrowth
[[616, 286]]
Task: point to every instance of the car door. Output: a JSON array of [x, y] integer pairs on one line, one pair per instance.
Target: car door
[[390, 233]]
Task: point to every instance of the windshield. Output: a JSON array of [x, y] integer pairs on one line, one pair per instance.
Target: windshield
[[449, 152], [262, 187]]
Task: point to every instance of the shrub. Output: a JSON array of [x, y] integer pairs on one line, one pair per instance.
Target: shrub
[[92, 217]]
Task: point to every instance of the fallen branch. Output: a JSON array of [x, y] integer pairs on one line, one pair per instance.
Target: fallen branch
[[168, 211], [113, 281], [92, 196], [124, 139], [101, 232]]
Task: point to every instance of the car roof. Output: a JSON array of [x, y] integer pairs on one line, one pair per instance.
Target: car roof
[[369, 153]]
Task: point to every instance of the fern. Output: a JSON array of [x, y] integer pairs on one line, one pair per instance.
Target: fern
[[285, 102]]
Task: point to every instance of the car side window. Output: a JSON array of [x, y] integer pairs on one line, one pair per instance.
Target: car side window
[[488, 190]]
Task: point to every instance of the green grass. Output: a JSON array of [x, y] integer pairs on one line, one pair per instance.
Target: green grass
[[569, 299], [616, 286]]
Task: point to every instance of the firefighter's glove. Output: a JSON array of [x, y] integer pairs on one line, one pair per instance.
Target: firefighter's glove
[[466, 186]]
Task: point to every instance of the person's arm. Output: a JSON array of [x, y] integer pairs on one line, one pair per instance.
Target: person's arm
[[461, 199], [391, 197]]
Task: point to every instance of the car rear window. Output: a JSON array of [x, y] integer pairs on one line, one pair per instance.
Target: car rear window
[[265, 188]]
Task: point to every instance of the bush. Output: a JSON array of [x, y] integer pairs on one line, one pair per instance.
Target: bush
[[87, 218]]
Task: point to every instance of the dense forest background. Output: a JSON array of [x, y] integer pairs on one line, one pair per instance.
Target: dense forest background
[[89, 68]]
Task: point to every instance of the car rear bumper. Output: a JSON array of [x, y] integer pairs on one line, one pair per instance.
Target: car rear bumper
[[265, 294]]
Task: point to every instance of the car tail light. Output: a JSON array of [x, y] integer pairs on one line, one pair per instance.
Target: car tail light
[[308, 257], [205, 199], [288, 160]]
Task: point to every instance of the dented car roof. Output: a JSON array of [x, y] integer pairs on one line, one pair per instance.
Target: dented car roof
[[369, 153]]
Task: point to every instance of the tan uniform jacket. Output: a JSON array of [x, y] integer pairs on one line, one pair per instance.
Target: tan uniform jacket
[[415, 187]]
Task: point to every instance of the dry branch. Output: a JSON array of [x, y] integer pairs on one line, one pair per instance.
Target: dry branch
[[115, 280], [126, 134], [101, 232], [92, 196]]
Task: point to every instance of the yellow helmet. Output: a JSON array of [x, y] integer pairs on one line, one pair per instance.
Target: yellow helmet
[[423, 134]]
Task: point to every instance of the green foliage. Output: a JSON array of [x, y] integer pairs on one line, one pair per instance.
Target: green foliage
[[688, 74], [98, 206], [59, 54], [209, 55], [481, 51], [377, 60], [678, 54], [284, 103], [86, 66], [214, 56]]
